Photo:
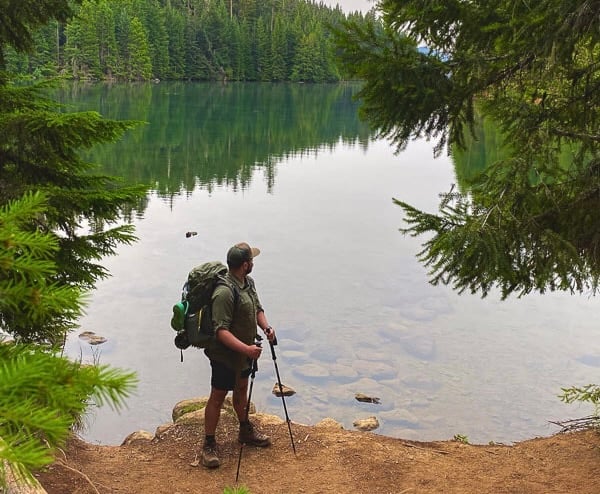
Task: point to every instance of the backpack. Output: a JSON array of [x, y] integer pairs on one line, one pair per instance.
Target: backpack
[[192, 316]]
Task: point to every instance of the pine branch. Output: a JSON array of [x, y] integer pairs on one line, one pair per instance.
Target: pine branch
[[43, 395]]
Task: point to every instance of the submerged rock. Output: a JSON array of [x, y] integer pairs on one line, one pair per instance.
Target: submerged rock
[[285, 390], [367, 399], [92, 338]]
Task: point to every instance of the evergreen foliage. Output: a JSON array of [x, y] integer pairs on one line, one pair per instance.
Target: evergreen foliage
[[39, 152], [43, 396], [528, 222], [49, 198], [21, 19], [194, 39], [28, 296]]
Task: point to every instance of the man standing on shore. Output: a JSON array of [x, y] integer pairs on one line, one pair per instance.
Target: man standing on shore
[[232, 352]]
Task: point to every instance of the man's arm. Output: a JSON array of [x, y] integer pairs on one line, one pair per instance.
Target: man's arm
[[230, 341], [263, 324]]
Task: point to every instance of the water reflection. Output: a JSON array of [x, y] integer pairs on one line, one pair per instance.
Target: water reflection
[[485, 146], [207, 135], [352, 306]]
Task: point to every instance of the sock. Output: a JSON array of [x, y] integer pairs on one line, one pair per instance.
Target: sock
[[210, 439]]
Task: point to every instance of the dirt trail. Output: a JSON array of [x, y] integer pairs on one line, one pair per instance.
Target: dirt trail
[[328, 460]]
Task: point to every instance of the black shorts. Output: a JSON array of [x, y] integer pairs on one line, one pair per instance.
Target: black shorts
[[224, 377]]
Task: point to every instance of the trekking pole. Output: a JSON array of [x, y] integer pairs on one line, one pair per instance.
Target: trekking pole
[[252, 374], [287, 417]]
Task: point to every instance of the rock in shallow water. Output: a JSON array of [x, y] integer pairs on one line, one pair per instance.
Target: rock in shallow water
[[368, 424], [92, 338], [285, 390], [367, 399]]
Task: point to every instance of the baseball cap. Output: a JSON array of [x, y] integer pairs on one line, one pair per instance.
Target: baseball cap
[[241, 252]]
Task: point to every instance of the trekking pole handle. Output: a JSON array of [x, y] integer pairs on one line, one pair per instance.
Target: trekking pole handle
[[268, 330]]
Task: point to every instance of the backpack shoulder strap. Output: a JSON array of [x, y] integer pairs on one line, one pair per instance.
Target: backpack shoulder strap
[[233, 287]]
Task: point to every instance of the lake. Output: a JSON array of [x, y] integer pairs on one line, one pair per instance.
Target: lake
[[291, 169]]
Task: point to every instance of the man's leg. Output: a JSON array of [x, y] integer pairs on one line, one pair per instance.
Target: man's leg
[[222, 380], [240, 398], [248, 433], [212, 413]]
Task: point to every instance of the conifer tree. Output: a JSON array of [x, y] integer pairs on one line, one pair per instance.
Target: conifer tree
[[278, 51], [107, 43], [247, 55], [175, 25], [88, 43], [21, 19], [217, 33], [46, 194], [236, 52], [194, 57], [42, 395], [139, 64], [39, 153], [528, 222], [153, 19], [207, 40], [306, 66], [263, 51], [45, 57]]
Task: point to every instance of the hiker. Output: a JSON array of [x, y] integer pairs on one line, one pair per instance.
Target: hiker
[[233, 350]]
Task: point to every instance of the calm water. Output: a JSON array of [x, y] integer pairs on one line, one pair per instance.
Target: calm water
[[291, 170]]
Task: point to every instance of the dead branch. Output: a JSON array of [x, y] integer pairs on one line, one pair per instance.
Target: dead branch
[[583, 423]]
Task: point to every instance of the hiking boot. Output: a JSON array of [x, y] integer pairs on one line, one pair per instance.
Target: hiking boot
[[249, 435], [209, 456]]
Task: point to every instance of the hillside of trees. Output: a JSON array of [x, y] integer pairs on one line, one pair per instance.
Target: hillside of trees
[[205, 40]]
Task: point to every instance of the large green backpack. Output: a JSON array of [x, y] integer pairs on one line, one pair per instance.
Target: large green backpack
[[192, 316]]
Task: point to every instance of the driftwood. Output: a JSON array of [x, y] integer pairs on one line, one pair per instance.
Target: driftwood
[[572, 425]]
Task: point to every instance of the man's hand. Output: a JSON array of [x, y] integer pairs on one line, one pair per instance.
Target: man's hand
[[253, 352], [270, 332]]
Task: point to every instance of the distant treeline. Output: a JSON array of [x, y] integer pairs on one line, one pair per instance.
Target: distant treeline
[[243, 40]]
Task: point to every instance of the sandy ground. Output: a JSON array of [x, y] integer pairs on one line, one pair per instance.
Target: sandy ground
[[327, 459]]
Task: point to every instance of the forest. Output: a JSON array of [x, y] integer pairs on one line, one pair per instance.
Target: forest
[[527, 224], [201, 40]]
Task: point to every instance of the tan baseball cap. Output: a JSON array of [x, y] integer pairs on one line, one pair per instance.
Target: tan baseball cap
[[241, 252]]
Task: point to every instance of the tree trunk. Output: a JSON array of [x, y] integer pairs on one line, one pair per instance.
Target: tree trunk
[[16, 485]]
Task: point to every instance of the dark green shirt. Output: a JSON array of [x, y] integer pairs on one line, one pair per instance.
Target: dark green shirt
[[239, 319]]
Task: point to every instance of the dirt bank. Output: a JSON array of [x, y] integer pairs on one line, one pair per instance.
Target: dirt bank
[[328, 460]]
